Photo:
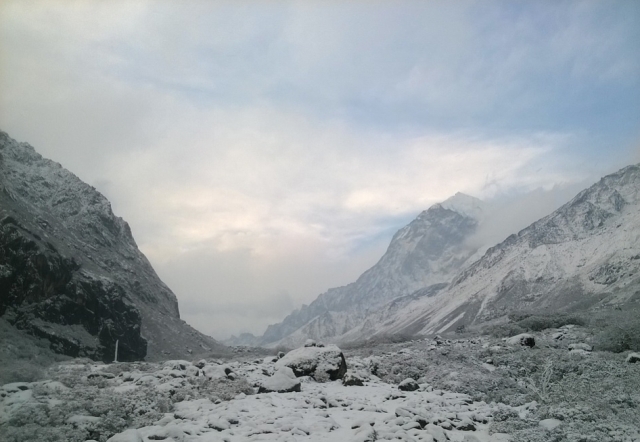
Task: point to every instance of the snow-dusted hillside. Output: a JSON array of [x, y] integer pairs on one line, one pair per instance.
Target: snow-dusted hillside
[[426, 253], [584, 255], [70, 270]]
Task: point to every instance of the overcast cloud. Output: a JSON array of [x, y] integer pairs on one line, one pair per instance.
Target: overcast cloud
[[264, 152]]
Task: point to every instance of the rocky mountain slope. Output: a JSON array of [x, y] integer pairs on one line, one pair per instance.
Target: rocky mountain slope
[[71, 272], [428, 252], [585, 255]]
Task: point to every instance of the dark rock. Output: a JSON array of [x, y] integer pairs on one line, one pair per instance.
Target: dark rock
[[408, 385], [633, 358], [351, 379], [465, 425], [524, 339]]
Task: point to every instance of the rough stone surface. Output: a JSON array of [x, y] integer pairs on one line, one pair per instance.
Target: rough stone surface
[[282, 381], [524, 339], [351, 379], [408, 385], [321, 363], [633, 358]]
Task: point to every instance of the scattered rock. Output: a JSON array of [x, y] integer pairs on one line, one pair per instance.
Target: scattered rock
[[321, 363], [310, 343], [351, 379], [408, 385], [524, 339], [283, 381], [633, 358], [580, 346]]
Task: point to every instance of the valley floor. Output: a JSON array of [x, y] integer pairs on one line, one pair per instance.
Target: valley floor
[[477, 389]]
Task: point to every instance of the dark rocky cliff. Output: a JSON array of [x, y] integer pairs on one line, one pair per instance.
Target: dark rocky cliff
[[70, 270]]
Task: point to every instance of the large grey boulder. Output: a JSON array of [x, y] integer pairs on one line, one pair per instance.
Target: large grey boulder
[[321, 363]]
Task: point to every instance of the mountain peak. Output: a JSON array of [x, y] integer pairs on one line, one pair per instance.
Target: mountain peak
[[465, 205]]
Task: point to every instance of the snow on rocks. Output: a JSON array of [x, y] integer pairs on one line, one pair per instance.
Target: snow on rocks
[[580, 346], [351, 379], [283, 381], [524, 339], [320, 363], [633, 358], [328, 412], [281, 406], [408, 385]]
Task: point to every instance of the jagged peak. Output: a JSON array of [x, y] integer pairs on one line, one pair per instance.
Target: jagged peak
[[464, 205]]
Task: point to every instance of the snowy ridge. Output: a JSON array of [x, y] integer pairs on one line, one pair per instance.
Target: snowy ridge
[[584, 255]]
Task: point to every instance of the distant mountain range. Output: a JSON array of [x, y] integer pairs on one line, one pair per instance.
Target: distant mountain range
[[433, 279], [71, 272]]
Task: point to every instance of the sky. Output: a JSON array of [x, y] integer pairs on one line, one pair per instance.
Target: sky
[[265, 151]]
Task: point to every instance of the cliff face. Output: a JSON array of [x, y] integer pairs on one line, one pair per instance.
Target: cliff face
[[71, 271]]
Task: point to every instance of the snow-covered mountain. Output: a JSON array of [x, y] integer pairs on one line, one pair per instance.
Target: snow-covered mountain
[[71, 272], [584, 255], [427, 253]]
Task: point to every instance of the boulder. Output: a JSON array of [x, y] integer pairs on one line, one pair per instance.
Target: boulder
[[351, 379], [310, 343], [408, 385], [283, 381], [524, 339], [580, 346], [633, 358], [321, 363]]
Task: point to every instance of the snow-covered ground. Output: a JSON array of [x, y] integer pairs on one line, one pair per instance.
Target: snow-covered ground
[[482, 389], [320, 411]]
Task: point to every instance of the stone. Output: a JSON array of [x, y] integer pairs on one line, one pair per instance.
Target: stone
[[632, 358], [283, 381], [580, 346], [408, 385], [351, 379], [321, 363], [524, 339]]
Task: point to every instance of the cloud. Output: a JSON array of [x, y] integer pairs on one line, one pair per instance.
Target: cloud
[[266, 151]]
